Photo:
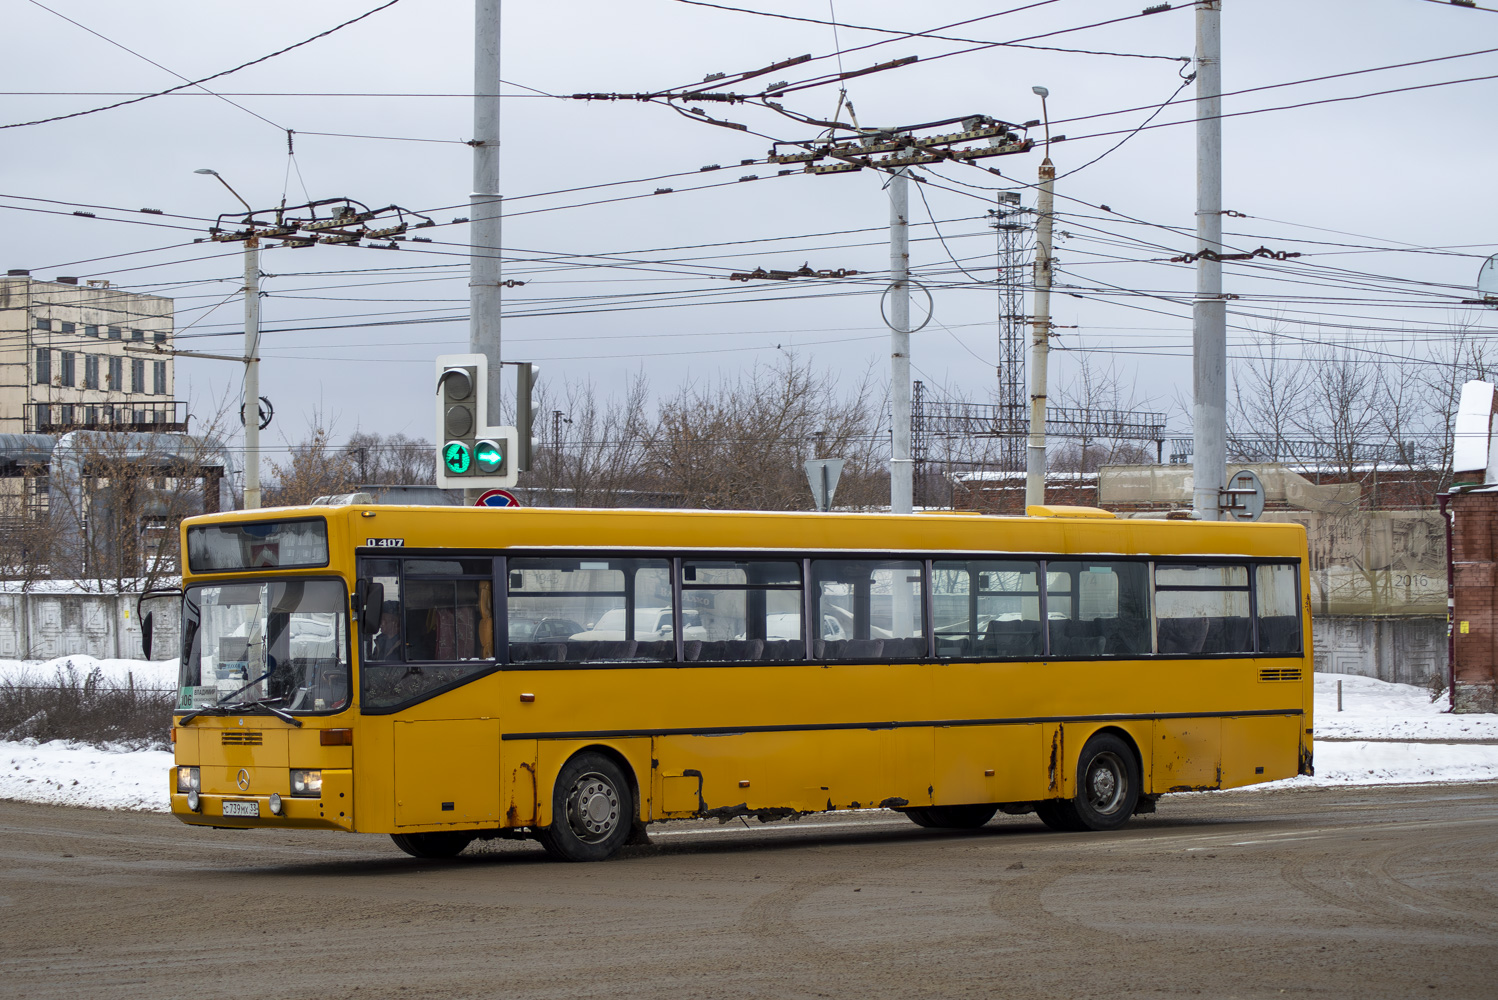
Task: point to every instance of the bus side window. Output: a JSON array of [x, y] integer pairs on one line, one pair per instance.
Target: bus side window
[[1098, 608], [869, 609], [1279, 609], [742, 609], [437, 631], [987, 609], [592, 609], [1203, 608]]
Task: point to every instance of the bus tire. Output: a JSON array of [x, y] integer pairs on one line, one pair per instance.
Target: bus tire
[[1108, 780], [592, 810], [433, 846], [951, 817]]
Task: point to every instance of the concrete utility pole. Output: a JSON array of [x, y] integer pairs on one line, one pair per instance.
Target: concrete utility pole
[[485, 202], [901, 465], [251, 373], [1040, 339], [1209, 311]]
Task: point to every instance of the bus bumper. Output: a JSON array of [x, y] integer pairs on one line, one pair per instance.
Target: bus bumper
[[333, 811]]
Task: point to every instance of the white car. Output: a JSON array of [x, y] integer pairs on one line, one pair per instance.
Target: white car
[[651, 625]]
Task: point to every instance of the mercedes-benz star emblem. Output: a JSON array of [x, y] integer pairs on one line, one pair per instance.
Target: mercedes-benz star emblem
[[243, 780]]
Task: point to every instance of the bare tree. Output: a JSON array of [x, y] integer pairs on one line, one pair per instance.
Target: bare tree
[[741, 443], [314, 467], [1095, 393], [391, 459], [590, 450]]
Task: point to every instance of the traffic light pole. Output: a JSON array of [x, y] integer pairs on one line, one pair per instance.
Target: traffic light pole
[[251, 409], [901, 466], [484, 222]]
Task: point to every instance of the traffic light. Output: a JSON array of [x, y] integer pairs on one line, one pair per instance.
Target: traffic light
[[525, 413], [470, 453]]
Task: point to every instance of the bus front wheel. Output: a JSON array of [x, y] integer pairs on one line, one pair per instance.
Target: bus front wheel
[[433, 845], [592, 810], [1108, 780], [951, 817]]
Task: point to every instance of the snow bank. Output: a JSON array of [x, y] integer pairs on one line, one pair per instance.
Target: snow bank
[[72, 774], [160, 674], [1397, 764], [1374, 710]]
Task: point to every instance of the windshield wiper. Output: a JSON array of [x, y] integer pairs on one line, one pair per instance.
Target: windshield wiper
[[265, 703], [224, 704]]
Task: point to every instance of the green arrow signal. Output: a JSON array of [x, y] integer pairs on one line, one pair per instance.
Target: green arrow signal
[[489, 456], [456, 457]]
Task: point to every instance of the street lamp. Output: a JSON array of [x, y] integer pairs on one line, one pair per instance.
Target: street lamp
[[1040, 92], [215, 173], [250, 412]]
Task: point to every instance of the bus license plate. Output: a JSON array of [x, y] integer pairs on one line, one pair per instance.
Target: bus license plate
[[251, 809]]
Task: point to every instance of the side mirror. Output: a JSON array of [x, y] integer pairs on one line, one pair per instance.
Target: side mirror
[[145, 634], [371, 605]]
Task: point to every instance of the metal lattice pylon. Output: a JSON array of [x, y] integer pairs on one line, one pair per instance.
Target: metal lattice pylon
[[1013, 262]]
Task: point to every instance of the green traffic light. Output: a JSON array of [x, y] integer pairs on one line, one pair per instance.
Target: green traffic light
[[489, 456], [456, 457]]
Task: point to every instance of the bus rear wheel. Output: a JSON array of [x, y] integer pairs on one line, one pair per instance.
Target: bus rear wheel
[[432, 846], [951, 817], [592, 810], [1108, 780]]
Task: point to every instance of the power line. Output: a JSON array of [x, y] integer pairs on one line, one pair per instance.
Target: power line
[[203, 80]]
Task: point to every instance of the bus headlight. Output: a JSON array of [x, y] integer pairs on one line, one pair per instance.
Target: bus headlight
[[275, 804], [306, 784], [188, 780], [193, 800]]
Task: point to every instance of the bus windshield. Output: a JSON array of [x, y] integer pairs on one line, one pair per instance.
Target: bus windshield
[[274, 643]]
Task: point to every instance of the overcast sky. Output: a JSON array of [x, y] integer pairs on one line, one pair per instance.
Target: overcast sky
[[1404, 172]]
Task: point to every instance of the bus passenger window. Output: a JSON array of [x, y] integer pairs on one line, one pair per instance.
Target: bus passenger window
[[1203, 608], [868, 609], [1097, 608], [593, 610], [748, 609], [1279, 608], [436, 628], [988, 609]]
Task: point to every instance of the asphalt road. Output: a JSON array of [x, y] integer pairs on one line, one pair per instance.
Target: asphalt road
[[1374, 892]]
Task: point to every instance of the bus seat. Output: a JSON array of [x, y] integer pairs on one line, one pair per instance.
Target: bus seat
[[781, 650], [912, 648], [1182, 635], [743, 649], [862, 649], [1237, 635], [1076, 638], [657, 650], [953, 648], [1279, 634], [691, 650]]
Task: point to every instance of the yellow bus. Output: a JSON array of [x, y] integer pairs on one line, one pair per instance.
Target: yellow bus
[[446, 674]]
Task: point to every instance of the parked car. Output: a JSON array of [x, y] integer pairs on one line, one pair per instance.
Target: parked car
[[651, 624], [542, 629]]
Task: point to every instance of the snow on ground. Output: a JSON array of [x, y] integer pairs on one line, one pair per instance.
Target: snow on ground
[[72, 774], [1361, 745], [160, 674], [1374, 709], [1397, 764]]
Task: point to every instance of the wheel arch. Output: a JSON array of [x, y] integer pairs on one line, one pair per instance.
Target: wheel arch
[[622, 759], [553, 756], [1075, 748]]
